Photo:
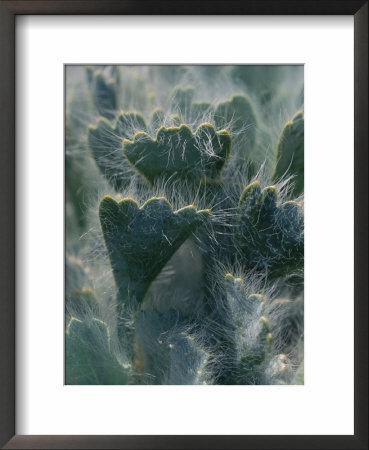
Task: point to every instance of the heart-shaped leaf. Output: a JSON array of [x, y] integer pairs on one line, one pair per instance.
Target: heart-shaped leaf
[[140, 241], [178, 153], [270, 237]]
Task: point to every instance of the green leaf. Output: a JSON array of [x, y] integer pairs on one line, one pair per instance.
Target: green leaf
[[140, 241], [270, 237], [88, 357], [82, 303], [157, 119], [104, 95], [80, 300], [105, 142], [260, 79], [182, 100], [238, 116], [240, 305], [187, 361], [170, 354], [189, 112], [299, 101], [178, 153], [200, 112], [290, 153], [290, 322], [152, 332], [256, 353], [249, 341]]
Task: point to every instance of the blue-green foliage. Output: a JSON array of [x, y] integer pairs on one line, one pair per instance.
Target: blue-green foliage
[[269, 235], [140, 241], [185, 233], [290, 153], [239, 117], [88, 355], [170, 353], [104, 94], [105, 142], [248, 356], [179, 153]]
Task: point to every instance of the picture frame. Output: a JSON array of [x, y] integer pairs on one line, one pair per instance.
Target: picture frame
[[8, 11]]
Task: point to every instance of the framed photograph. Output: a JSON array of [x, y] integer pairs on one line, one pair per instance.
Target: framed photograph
[[184, 243]]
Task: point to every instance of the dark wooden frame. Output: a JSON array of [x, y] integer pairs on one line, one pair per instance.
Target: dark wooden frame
[[8, 11]]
